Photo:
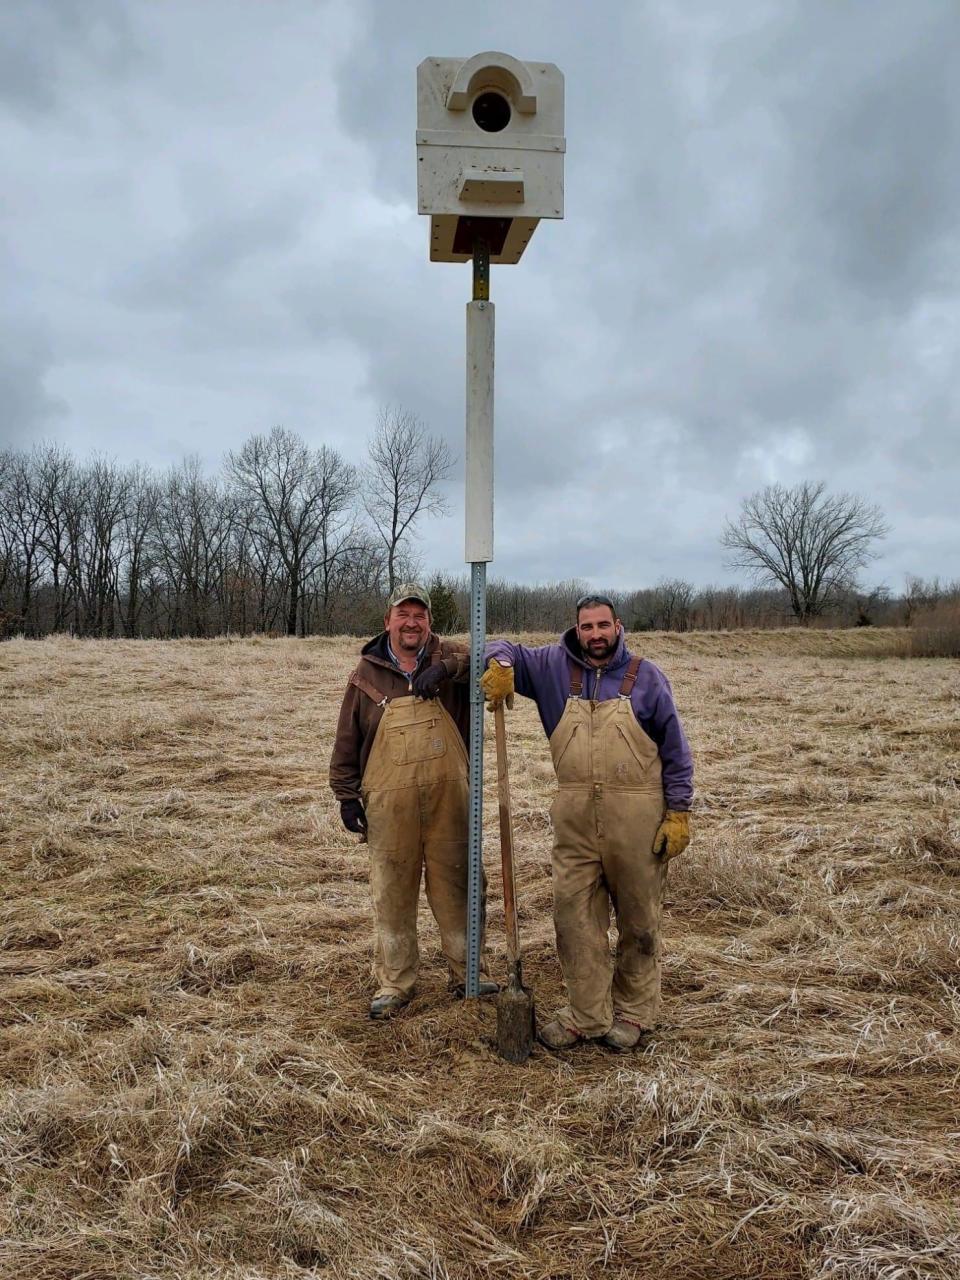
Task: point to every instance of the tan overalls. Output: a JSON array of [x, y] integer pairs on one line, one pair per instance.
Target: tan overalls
[[414, 793], [605, 815]]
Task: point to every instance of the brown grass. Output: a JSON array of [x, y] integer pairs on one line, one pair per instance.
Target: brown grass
[[191, 1087]]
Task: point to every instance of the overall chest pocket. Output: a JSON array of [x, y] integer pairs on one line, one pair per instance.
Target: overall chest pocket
[[412, 743], [564, 748], [631, 757]]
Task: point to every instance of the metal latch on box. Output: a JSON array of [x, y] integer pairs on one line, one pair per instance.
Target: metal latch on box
[[492, 186]]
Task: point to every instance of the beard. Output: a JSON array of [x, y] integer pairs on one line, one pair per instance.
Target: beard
[[598, 649], [412, 641]]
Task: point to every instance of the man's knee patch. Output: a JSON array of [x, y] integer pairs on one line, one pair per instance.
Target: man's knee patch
[[642, 941]]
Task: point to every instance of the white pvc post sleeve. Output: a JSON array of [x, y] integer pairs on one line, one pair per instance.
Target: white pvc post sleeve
[[479, 459]]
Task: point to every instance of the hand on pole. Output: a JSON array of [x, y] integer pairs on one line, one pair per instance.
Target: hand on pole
[[427, 683], [497, 685]]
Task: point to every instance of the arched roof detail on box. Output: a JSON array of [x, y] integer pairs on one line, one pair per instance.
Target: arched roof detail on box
[[493, 71]]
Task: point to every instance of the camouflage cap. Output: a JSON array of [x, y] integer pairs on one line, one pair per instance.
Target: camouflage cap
[[409, 591]]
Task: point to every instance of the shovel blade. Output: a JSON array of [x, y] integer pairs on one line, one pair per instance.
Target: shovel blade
[[516, 1028]]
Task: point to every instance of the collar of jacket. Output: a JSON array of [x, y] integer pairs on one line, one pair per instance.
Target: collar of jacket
[[376, 650], [617, 661]]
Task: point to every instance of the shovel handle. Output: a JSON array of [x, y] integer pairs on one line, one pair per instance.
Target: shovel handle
[[506, 838]]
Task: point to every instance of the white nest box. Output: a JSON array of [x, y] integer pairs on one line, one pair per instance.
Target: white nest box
[[489, 152]]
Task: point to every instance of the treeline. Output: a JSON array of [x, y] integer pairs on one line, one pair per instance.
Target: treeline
[[296, 541], [286, 539], [674, 604]]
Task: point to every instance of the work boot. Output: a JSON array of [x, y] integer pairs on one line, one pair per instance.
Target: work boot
[[487, 988], [386, 1006], [623, 1036], [556, 1036]]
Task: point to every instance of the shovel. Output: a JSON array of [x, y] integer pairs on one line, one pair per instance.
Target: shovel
[[515, 1015]]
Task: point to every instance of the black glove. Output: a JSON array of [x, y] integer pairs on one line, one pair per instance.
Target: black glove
[[353, 817], [427, 683]]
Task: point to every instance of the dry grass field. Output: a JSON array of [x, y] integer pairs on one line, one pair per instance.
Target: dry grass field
[[191, 1088]]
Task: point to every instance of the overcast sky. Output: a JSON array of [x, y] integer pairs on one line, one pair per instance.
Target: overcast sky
[[209, 227]]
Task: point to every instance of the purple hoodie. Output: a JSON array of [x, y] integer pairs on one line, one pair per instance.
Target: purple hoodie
[[544, 675]]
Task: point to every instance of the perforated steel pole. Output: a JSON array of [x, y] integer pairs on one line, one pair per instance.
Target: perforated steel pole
[[478, 632], [479, 550]]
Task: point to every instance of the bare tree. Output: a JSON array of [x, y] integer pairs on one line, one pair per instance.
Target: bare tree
[[240, 580], [672, 599], [919, 594], [402, 479], [21, 515], [804, 539], [139, 523], [9, 560], [61, 493], [105, 490], [349, 596], [194, 521], [300, 496], [340, 536]]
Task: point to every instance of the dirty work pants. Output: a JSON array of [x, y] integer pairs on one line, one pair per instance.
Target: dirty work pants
[[414, 794], [605, 815]]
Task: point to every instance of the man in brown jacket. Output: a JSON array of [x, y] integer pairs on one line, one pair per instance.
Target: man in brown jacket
[[399, 770]]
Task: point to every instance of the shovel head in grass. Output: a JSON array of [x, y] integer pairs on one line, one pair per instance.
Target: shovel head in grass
[[516, 1026]]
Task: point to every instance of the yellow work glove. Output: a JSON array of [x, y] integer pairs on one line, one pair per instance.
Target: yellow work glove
[[497, 684], [673, 834]]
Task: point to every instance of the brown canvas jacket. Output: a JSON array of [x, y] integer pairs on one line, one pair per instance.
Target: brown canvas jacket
[[360, 715]]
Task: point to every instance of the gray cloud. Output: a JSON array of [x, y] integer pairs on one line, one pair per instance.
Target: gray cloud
[[50, 49], [25, 404], [212, 228]]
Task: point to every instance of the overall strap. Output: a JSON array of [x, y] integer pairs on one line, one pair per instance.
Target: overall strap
[[576, 679], [630, 677], [369, 688]]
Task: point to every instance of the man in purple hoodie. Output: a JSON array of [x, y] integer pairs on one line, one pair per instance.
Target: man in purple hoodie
[[621, 812]]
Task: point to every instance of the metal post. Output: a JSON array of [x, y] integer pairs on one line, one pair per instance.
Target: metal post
[[479, 549], [478, 631], [481, 270]]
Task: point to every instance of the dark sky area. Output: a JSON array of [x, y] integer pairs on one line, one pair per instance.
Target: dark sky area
[[209, 226]]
